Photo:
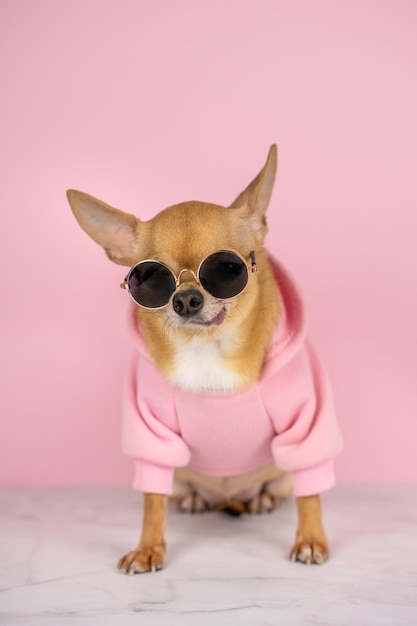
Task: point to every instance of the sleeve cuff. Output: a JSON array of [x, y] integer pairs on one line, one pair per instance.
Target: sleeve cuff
[[153, 478], [314, 480]]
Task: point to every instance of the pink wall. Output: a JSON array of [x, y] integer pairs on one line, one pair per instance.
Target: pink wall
[[146, 103]]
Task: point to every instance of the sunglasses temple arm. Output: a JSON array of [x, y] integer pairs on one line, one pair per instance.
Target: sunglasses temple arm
[[254, 267]]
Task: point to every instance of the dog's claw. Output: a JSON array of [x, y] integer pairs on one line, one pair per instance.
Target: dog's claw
[[263, 503], [192, 503], [318, 558], [142, 560], [309, 552]]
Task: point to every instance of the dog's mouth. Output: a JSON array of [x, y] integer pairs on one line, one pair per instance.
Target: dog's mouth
[[217, 320]]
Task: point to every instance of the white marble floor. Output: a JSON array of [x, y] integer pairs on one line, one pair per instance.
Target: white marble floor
[[59, 547]]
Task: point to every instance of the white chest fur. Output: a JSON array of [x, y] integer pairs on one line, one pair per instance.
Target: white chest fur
[[200, 365]]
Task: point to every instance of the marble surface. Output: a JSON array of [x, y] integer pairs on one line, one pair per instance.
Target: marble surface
[[59, 547]]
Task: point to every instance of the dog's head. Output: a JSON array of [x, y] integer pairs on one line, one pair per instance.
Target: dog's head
[[194, 263]]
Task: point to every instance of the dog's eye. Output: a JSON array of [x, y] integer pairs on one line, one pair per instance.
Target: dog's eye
[[230, 269], [148, 273], [223, 274]]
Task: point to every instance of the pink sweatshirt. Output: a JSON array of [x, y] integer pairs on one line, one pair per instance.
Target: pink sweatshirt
[[287, 416]]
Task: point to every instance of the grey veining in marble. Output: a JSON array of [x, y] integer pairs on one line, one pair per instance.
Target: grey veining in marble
[[59, 547]]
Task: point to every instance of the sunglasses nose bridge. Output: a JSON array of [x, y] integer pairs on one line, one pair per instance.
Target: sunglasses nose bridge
[[186, 271]]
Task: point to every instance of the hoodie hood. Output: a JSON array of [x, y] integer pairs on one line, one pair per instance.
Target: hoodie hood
[[291, 329], [287, 338]]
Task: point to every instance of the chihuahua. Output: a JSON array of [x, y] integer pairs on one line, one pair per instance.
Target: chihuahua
[[225, 393]]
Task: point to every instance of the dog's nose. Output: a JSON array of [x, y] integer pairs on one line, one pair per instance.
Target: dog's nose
[[188, 303]]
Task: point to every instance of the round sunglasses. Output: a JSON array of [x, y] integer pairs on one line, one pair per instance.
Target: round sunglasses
[[223, 274]]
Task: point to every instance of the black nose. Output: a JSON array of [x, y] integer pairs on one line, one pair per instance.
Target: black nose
[[187, 303]]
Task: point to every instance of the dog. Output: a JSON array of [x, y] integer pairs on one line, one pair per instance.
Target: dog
[[224, 390]]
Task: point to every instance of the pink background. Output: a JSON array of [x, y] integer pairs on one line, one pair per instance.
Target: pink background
[[145, 103]]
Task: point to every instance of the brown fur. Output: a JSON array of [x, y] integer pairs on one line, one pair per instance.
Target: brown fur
[[256, 317], [149, 555], [311, 545], [181, 236]]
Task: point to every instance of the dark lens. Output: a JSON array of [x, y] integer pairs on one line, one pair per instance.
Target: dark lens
[[151, 284], [223, 274]]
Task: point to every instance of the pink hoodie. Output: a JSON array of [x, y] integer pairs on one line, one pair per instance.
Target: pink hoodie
[[287, 416]]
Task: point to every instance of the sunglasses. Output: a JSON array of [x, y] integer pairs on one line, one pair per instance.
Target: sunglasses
[[223, 274]]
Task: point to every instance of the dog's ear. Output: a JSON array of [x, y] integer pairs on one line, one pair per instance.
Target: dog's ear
[[112, 229], [253, 202]]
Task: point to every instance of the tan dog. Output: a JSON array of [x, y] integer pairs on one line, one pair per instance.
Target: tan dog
[[211, 309]]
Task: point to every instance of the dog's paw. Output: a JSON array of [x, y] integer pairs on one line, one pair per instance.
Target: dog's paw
[[310, 551], [143, 560], [263, 503], [192, 503]]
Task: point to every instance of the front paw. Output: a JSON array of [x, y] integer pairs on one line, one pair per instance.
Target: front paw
[[310, 551], [143, 559]]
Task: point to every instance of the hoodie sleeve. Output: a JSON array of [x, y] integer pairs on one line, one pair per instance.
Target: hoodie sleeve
[[298, 399], [150, 432]]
